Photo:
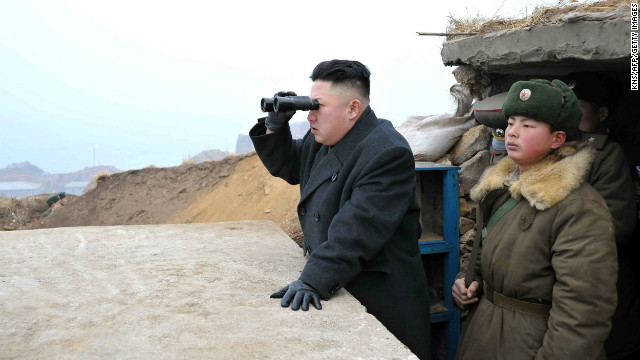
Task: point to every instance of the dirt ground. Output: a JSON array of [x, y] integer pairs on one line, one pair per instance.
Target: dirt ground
[[235, 188], [250, 192]]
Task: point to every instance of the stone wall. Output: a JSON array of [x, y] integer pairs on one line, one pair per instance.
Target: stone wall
[[471, 153]]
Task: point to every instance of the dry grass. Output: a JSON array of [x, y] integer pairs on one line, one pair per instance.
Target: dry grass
[[13, 213], [540, 15], [93, 183], [9, 213], [101, 175], [7, 203], [188, 161]]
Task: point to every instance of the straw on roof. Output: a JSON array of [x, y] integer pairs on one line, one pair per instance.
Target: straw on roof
[[540, 15]]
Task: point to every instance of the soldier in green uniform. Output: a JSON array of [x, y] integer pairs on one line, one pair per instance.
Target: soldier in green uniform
[[542, 280], [611, 177], [63, 198], [51, 201]]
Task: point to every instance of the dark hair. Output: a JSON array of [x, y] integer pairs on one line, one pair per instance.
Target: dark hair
[[347, 72]]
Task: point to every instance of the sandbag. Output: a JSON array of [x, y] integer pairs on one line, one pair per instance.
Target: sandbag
[[431, 137]]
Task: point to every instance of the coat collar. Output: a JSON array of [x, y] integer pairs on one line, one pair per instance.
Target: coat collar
[[363, 126], [331, 164], [545, 184]]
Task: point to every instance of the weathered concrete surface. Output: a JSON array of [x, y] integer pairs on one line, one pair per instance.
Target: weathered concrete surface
[[580, 41], [171, 291]]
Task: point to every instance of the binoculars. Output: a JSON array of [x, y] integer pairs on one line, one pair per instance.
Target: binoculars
[[288, 103]]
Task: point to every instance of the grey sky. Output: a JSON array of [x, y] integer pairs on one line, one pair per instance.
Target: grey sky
[[154, 82]]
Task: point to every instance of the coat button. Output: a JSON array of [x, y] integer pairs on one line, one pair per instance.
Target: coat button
[[303, 211], [308, 249], [316, 216], [334, 176]]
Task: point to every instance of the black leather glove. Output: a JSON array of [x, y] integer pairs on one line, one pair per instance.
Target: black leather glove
[[301, 293], [275, 120]]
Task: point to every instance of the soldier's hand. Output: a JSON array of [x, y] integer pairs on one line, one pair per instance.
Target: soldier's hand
[[463, 295], [298, 294], [275, 120]]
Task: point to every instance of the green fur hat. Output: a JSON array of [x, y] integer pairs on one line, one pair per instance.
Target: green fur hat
[[53, 199], [542, 100]]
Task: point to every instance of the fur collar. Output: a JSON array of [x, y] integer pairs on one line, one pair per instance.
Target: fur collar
[[547, 183]]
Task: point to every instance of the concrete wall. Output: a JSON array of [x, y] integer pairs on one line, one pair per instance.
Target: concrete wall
[[538, 48], [171, 291]]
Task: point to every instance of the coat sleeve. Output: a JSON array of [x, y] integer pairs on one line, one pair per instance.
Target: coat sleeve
[[378, 205], [464, 264], [488, 205], [584, 298], [279, 153]]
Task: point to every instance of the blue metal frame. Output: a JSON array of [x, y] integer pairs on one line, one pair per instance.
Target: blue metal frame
[[449, 246]]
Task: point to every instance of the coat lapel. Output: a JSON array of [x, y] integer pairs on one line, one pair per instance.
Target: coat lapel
[[332, 162], [322, 172]]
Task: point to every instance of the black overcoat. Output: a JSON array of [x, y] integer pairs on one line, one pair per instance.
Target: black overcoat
[[360, 218]]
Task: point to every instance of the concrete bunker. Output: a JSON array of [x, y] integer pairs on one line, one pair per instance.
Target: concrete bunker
[[573, 42]]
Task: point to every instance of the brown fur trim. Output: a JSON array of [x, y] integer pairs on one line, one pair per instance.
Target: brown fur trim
[[547, 182], [493, 178]]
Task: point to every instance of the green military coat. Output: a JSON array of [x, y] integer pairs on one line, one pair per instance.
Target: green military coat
[[610, 176], [556, 246], [46, 213]]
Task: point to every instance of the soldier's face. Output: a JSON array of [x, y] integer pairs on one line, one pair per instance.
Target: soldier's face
[[528, 141], [592, 117], [333, 119]]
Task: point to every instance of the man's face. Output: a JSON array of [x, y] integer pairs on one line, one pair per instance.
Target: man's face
[[591, 117], [63, 201], [333, 120]]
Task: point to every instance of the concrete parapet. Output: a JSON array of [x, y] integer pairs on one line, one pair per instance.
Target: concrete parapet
[[171, 291]]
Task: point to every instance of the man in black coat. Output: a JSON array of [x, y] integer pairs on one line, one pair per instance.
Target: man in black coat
[[358, 206]]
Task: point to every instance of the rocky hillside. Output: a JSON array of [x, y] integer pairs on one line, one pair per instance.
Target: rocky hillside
[[235, 188]]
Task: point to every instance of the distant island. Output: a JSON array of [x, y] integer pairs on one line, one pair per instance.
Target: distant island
[[25, 179]]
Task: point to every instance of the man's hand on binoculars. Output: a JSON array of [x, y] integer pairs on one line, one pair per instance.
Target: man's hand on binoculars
[[275, 120]]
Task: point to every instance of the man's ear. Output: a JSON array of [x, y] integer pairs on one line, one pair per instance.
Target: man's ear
[[559, 138], [603, 113], [355, 109]]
